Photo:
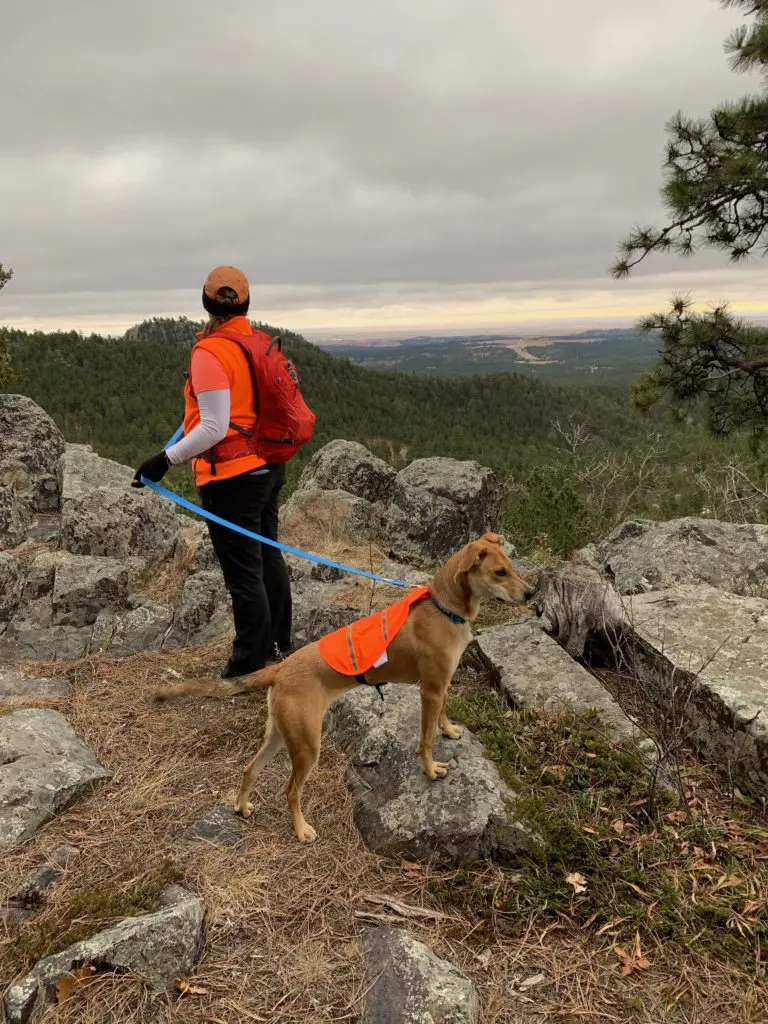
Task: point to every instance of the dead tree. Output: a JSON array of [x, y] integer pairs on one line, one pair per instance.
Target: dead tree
[[575, 600]]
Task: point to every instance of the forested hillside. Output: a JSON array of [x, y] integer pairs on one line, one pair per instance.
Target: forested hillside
[[124, 397]]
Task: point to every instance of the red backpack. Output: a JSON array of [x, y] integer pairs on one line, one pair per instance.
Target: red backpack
[[284, 421]]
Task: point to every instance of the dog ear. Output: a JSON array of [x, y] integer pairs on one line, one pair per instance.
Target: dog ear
[[493, 538], [471, 556]]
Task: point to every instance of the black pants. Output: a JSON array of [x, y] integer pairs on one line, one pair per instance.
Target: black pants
[[255, 574]]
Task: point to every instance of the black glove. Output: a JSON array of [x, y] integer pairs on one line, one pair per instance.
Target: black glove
[[153, 469]]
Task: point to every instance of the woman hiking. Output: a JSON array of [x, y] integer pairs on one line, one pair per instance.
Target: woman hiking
[[244, 418]]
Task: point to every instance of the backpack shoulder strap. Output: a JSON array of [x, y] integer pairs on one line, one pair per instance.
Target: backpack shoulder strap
[[239, 340]]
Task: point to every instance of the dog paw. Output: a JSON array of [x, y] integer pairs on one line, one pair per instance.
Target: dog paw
[[452, 732], [243, 808], [438, 770], [306, 834]]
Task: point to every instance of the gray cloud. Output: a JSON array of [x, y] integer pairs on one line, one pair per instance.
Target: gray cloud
[[341, 150]]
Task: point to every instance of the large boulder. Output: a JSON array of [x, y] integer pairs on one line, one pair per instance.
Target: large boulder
[[702, 656], [43, 767], [84, 586], [349, 466], [646, 556], [142, 628], [101, 514], [11, 586], [30, 447], [534, 671], [158, 947], [15, 517], [408, 984], [462, 818], [204, 612], [319, 516], [437, 506]]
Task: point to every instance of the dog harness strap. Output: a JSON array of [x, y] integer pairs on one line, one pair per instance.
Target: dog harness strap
[[377, 686], [455, 619]]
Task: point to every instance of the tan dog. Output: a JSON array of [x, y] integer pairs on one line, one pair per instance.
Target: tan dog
[[428, 648]]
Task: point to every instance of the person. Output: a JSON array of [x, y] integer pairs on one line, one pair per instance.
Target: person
[[234, 482]]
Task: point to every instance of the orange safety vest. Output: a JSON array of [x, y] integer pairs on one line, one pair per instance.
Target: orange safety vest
[[355, 649], [242, 409]]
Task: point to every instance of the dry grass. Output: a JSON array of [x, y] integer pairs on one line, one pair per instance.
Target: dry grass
[[281, 935]]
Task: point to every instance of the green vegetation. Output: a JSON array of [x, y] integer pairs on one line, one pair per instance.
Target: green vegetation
[[617, 854], [577, 460], [132, 890], [604, 357], [716, 194], [5, 348]]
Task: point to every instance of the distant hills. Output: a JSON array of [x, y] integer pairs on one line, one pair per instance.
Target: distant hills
[[607, 356]]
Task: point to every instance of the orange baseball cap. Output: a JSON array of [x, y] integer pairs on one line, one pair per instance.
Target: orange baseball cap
[[227, 277]]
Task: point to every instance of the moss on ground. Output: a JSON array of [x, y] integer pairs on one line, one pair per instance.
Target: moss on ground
[[134, 890], [619, 860]]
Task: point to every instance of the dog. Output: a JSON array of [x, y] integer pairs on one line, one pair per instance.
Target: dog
[[427, 648]]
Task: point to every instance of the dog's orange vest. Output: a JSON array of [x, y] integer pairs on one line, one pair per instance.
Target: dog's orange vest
[[354, 649]]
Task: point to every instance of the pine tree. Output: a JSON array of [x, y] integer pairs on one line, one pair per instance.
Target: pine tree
[[716, 194], [5, 344]]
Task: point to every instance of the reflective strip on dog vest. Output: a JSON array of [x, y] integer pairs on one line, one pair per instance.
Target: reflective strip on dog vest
[[355, 649]]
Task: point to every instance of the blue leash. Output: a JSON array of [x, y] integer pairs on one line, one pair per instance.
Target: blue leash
[[318, 559]]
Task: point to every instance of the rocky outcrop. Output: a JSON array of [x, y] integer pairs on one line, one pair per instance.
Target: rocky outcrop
[[102, 515], [437, 506], [420, 515], [11, 586], [408, 984], [327, 515], [66, 602], [30, 447], [702, 656], [158, 947], [43, 767], [351, 467], [535, 672], [456, 820], [204, 612], [646, 556]]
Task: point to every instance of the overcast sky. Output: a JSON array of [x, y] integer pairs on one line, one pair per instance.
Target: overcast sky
[[393, 164]]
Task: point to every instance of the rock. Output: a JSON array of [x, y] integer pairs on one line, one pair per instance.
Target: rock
[[349, 466], [407, 984], [30, 447], [41, 575], [535, 672], [319, 608], [437, 506], [32, 634], [143, 628], [702, 655], [204, 612], [221, 825], [43, 767], [577, 601], [32, 890], [311, 513], [158, 947], [457, 820], [83, 586], [102, 515], [11, 585], [646, 556], [15, 518], [15, 687], [44, 529]]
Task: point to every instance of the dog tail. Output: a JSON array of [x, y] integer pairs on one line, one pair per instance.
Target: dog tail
[[220, 688]]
